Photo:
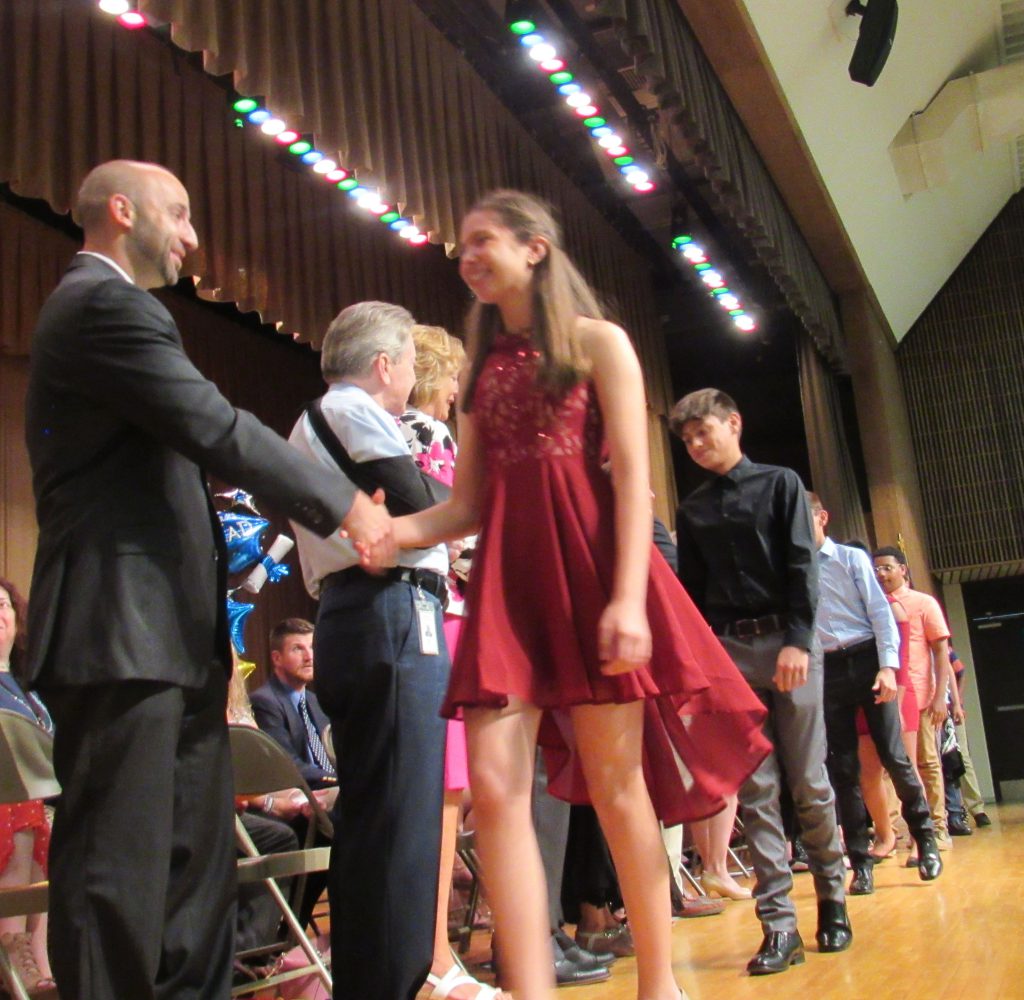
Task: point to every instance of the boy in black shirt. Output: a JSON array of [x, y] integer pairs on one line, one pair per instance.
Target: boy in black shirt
[[747, 558]]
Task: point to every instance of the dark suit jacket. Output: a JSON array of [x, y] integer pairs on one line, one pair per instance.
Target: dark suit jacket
[[277, 717], [130, 572]]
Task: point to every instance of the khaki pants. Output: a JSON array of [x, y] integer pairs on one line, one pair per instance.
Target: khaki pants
[[973, 802], [930, 767]]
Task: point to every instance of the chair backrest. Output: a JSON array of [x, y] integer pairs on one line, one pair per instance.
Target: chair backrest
[[261, 765], [26, 760]]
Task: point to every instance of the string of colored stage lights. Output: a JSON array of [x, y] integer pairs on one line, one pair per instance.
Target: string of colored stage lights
[[545, 55], [542, 52], [249, 111], [726, 298]]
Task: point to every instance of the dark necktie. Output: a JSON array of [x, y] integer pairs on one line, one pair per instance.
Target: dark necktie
[[316, 747]]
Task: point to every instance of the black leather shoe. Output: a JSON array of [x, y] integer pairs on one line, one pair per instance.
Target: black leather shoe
[[582, 956], [929, 862], [834, 930], [799, 862], [956, 823], [779, 950], [863, 881], [569, 973], [981, 819]]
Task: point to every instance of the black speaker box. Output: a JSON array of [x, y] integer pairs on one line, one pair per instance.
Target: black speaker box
[[877, 30]]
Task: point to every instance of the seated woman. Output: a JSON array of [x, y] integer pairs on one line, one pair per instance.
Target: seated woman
[[24, 828]]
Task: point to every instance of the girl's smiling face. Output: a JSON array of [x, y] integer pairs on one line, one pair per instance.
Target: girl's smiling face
[[493, 263]]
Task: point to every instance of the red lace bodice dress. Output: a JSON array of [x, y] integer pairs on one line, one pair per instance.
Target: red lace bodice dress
[[542, 576]]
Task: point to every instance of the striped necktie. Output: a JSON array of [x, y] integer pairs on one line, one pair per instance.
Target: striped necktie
[[316, 747]]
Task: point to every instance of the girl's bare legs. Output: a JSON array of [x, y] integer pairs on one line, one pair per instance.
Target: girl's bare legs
[[449, 833], [873, 788], [712, 836], [37, 924], [501, 746], [18, 872], [875, 799], [22, 870], [608, 738]]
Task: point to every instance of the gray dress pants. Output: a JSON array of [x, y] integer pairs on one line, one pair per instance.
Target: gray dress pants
[[796, 727]]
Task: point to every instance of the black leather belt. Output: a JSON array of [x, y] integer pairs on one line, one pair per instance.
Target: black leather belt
[[425, 579], [750, 628], [845, 652]]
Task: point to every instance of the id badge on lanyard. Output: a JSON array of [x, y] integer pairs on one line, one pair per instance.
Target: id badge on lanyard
[[426, 619]]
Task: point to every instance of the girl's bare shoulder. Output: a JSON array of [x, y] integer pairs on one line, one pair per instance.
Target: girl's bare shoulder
[[600, 339]]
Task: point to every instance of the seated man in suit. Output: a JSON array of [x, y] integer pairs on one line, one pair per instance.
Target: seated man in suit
[[286, 710]]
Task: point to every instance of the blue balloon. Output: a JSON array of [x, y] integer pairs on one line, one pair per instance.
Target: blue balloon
[[237, 614], [275, 571], [243, 535]]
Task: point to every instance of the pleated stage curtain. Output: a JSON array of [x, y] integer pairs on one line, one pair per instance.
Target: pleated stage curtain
[[717, 147], [827, 448], [381, 90]]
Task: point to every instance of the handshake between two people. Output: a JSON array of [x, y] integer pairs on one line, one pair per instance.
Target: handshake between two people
[[371, 529]]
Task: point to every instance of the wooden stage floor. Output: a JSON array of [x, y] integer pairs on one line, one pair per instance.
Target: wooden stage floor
[[961, 936]]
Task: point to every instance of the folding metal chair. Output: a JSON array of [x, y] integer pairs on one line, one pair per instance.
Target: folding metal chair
[[465, 847], [26, 773], [739, 838], [260, 767]]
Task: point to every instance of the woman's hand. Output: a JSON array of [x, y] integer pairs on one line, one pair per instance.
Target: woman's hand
[[623, 638]]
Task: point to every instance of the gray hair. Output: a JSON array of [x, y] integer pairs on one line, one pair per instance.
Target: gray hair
[[700, 404], [361, 332]]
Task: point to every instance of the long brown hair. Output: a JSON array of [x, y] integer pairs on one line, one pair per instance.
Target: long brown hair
[[559, 295]]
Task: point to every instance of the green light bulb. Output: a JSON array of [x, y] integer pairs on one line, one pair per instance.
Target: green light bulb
[[300, 147], [596, 122], [562, 76], [621, 161], [389, 217], [348, 183], [523, 27], [244, 105]]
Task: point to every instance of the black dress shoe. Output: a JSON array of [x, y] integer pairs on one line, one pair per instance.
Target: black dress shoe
[[929, 862], [863, 881], [799, 862], [583, 957], [981, 819], [834, 930], [570, 973], [956, 823], [779, 950]]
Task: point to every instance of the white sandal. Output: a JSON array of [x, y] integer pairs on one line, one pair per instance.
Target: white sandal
[[455, 977]]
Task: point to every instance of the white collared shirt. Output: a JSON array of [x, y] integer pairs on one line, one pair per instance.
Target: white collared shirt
[[367, 431], [106, 260]]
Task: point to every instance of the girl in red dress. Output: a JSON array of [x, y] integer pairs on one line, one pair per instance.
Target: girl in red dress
[[578, 634]]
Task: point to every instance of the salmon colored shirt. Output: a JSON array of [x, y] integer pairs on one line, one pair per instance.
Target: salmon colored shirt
[[926, 624]]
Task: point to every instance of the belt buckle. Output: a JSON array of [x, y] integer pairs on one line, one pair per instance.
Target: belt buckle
[[746, 628]]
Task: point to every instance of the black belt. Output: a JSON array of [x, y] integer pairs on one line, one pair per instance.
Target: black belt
[[425, 579], [750, 628], [845, 652]]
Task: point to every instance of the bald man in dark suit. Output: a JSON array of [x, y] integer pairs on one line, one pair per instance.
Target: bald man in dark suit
[[129, 640]]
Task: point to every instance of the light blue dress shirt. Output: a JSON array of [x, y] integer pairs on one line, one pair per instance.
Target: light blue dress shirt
[[851, 605]]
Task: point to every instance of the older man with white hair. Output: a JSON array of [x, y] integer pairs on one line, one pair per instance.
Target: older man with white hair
[[381, 666]]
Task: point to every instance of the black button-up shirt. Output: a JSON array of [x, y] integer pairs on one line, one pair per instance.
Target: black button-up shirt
[[746, 549]]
